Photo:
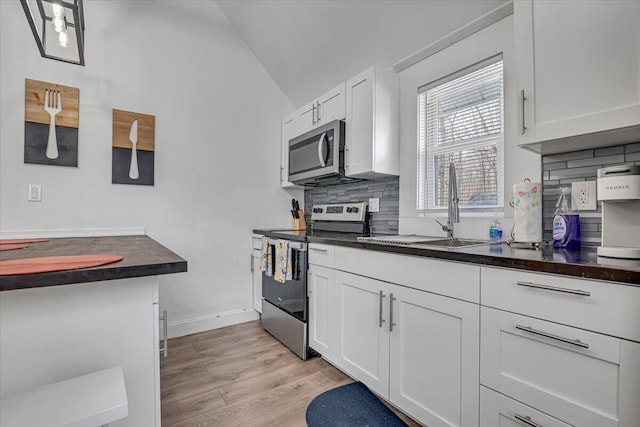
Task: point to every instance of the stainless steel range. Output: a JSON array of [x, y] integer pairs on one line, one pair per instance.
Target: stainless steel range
[[285, 306]]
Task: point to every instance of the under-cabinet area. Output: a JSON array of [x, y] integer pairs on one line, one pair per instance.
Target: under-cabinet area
[[458, 344]]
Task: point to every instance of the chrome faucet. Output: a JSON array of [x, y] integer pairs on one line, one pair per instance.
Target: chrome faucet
[[453, 212]]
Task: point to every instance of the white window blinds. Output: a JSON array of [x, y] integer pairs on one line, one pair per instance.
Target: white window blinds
[[461, 120]]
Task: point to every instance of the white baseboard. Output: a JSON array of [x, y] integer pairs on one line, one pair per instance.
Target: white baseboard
[[212, 321], [75, 232]]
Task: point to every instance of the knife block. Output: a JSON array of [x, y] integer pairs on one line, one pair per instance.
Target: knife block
[[299, 223]]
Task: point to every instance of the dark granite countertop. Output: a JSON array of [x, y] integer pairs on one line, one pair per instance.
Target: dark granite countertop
[[142, 256], [583, 263]]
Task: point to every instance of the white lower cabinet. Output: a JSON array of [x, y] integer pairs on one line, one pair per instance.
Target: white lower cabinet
[[362, 336], [497, 410], [538, 350], [579, 377], [416, 349], [256, 272], [321, 309], [434, 357]]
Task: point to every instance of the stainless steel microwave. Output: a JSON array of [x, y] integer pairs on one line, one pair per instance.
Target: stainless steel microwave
[[316, 158]]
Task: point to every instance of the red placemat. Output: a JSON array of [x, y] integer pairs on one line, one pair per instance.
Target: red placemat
[[54, 263], [11, 246], [20, 241]]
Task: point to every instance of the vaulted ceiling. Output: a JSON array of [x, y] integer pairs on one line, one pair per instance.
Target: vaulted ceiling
[[309, 46]]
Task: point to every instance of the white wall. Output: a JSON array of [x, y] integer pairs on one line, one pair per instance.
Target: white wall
[[217, 144], [518, 163]]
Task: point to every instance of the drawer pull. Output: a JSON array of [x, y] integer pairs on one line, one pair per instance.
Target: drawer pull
[[526, 420], [553, 337], [554, 288], [318, 250], [380, 319]]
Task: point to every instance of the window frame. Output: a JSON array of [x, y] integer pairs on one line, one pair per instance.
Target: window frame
[[422, 179]]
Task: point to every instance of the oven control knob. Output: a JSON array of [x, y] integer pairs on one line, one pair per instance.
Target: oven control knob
[[349, 210], [355, 210], [319, 210]]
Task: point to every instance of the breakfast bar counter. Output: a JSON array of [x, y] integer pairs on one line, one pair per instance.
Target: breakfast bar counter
[[61, 325], [142, 256]]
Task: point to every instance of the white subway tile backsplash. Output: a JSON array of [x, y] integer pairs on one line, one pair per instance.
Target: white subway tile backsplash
[[386, 189], [596, 161], [580, 166]]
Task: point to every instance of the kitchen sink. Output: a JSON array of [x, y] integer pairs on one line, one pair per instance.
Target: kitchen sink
[[412, 239], [453, 243]]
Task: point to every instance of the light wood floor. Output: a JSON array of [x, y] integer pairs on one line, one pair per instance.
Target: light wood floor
[[240, 376]]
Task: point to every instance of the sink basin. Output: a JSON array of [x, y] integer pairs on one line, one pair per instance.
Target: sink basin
[[454, 243]]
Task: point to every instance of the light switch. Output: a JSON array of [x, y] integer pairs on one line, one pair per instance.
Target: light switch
[[35, 193]]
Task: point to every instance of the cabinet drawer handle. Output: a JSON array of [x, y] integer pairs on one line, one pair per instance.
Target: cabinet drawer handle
[[554, 288], [391, 322], [526, 420], [319, 250], [522, 100], [552, 336], [380, 319]]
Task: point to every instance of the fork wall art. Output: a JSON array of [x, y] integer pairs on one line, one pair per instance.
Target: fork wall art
[[132, 160], [50, 123]]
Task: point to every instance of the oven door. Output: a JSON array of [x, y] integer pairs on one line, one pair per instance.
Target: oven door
[[319, 152], [290, 296]]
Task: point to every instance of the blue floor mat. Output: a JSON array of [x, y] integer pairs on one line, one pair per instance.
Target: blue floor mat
[[351, 405]]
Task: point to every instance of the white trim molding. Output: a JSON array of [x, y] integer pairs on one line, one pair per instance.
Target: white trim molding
[[472, 27], [78, 232], [194, 325]]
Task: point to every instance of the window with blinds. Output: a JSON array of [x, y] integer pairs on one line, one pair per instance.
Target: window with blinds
[[461, 120]]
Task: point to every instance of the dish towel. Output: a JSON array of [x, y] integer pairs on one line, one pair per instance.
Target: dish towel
[[283, 262], [266, 264]]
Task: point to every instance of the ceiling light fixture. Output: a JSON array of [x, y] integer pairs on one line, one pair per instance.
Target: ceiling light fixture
[[66, 19]]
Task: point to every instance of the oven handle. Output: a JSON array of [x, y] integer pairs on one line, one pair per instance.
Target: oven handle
[[298, 246]]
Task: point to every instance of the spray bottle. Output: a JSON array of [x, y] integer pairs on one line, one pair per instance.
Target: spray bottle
[[566, 224]]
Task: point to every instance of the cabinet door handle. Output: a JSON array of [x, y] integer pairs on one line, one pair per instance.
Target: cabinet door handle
[[522, 100], [552, 336], [391, 322], [554, 288], [380, 319], [252, 263], [318, 111], [313, 114], [526, 420], [318, 249]]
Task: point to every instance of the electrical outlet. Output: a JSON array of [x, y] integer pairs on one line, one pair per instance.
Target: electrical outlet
[[583, 194], [374, 204]]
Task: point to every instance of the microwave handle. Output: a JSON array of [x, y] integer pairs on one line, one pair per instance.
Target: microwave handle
[[321, 151]]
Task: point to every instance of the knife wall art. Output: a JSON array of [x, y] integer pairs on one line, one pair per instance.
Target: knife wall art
[[51, 123], [133, 150]]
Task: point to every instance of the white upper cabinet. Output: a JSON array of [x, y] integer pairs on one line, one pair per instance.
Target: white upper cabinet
[[577, 73], [331, 105], [372, 118], [289, 130], [324, 109]]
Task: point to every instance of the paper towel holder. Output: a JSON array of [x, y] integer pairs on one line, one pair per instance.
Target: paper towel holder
[[535, 245]]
